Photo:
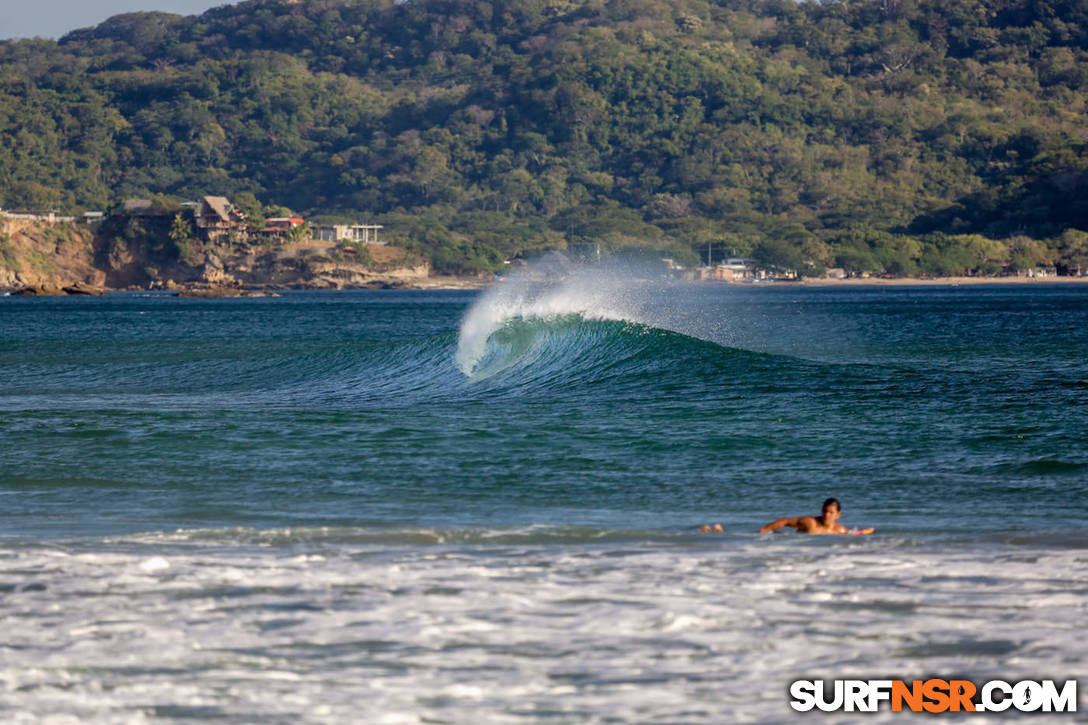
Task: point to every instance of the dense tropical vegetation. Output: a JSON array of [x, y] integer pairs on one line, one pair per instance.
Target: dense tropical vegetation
[[883, 136]]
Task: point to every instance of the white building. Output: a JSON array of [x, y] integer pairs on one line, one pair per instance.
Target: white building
[[366, 233]]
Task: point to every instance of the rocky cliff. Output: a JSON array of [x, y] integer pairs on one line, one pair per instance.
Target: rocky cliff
[[40, 254], [47, 255], [312, 265]]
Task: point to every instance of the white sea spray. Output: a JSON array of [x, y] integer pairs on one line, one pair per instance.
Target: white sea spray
[[548, 290]]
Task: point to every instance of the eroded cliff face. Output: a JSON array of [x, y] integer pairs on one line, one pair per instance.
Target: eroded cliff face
[[49, 255], [312, 265], [38, 254]]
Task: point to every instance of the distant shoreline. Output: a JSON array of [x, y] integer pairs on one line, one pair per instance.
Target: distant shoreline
[[475, 283], [935, 281], [437, 283]]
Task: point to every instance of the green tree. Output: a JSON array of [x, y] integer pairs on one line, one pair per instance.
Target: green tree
[[247, 204], [32, 195], [180, 229], [300, 232], [857, 261], [1073, 252], [1028, 254], [778, 257]]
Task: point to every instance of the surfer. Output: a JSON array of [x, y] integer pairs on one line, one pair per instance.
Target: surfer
[[825, 523]]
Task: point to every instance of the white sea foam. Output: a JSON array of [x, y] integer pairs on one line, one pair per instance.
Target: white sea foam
[[702, 630], [154, 564]]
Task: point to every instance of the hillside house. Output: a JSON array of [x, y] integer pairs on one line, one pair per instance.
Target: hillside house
[[218, 220], [278, 227], [734, 270], [366, 233], [731, 270], [136, 207]]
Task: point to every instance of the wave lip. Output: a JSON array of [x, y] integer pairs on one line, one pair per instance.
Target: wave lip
[[585, 296]]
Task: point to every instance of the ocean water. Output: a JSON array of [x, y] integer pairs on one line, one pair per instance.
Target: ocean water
[[482, 507]]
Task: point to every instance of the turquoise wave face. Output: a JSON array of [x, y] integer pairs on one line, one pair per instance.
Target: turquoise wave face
[[569, 355], [536, 345]]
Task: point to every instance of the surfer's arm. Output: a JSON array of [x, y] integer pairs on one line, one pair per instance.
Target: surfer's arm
[[779, 523]]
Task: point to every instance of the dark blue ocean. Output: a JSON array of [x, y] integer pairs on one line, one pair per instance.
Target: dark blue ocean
[[469, 507]]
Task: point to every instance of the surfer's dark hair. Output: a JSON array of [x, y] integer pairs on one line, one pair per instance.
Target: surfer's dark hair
[[828, 502]]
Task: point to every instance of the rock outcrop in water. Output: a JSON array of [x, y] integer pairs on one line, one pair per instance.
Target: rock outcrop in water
[[40, 290], [50, 290], [212, 292]]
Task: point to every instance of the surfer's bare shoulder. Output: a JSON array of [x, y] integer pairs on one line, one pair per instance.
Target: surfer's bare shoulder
[[779, 523]]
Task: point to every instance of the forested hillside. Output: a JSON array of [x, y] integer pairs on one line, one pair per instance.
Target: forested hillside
[[894, 136]]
